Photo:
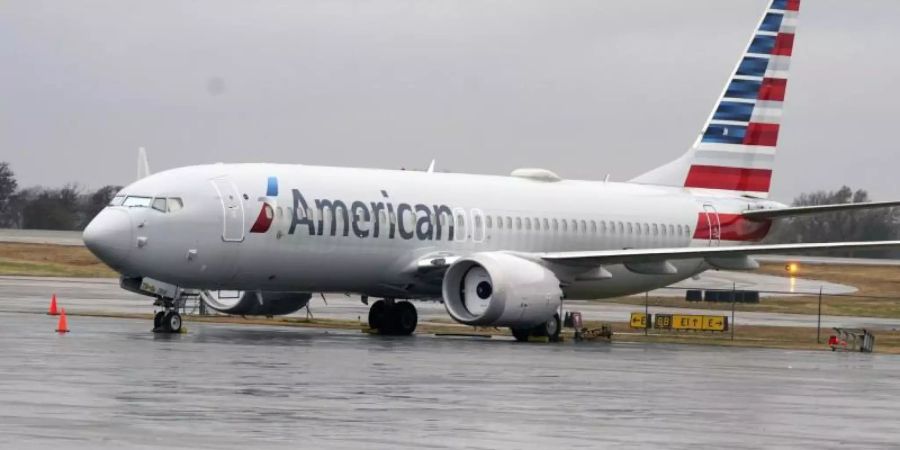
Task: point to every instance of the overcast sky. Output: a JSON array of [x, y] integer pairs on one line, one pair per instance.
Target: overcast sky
[[581, 87]]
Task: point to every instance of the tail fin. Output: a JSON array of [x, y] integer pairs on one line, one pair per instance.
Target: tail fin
[[735, 152]]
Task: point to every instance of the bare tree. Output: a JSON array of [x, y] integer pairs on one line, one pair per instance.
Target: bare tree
[[8, 186], [93, 203]]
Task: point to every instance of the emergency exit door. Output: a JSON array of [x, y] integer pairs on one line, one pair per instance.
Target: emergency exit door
[[713, 224]]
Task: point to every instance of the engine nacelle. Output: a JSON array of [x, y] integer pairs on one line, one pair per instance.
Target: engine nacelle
[[500, 289], [253, 303]]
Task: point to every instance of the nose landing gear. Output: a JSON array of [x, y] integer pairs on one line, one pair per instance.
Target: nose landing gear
[[168, 320], [393, 318]]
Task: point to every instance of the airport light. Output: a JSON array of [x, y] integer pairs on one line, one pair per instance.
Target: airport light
[[792, 268]]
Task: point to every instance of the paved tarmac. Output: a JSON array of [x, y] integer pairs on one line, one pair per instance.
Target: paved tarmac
[[112, 384], [32, 294], [770, 285], [55, 237]]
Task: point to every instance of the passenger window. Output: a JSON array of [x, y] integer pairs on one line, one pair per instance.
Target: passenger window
[[499, 223], [630, 228], [555, 225], [583, 226], [489, 222], [565, 225], [461, 232], [655, 229], [593, 227], [527, 223], [646, 229], [518, 223], [508, 223], [672, 229], [159, 204]]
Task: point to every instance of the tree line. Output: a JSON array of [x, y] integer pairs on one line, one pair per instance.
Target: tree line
[[67, 208], [876, 224]]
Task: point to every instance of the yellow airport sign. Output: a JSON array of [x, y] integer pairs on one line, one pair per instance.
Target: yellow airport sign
[[696, 322], [663, 322], [639, 320], [687, 322], [715, 323]]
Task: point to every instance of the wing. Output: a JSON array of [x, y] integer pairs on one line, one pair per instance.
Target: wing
[[734, 253], [818, 209]]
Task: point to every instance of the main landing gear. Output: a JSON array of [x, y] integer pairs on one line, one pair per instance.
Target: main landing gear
[[168, 320], [393, 318], [549, 329]]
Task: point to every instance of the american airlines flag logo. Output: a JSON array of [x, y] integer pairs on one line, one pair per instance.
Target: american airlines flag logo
[[267, 212], [736, 150]]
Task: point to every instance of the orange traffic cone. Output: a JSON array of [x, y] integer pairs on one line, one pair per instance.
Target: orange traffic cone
[[53, 311], [63, 325]]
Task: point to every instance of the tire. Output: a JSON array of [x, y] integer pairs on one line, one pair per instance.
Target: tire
[[158, 321], [403, 319], [378, 314], [551, 328], [172, 322], [521, 334]]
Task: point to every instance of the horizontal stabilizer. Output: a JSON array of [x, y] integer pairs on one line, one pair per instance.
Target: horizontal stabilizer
[[817, 209]]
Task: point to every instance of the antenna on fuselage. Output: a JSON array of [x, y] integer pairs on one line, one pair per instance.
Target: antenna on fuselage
[[606, 178], [143, 167], [430, 167]]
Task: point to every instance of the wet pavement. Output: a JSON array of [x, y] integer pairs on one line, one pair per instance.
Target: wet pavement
[[110, 383]]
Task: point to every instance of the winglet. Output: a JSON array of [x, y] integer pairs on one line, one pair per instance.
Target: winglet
[[143, 167]]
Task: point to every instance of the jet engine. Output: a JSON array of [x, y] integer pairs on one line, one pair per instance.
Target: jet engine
[[500, 289], [256, 303]]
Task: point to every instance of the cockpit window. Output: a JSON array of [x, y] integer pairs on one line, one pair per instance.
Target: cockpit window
[[117, 200], [159, 204], [175, 204], [137, 202]]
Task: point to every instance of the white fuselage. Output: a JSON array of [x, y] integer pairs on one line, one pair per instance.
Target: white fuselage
[[219, 240]]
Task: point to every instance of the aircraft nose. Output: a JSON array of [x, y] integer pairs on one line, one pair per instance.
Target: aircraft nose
[[109, 236]]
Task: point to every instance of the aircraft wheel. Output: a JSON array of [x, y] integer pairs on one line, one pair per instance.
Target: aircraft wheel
[[158, 321], [172, 322], [378, 315], [403, 319], [521, 334], [550, 328]]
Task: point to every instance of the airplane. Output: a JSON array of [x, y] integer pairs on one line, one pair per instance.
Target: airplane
[[501, 251]]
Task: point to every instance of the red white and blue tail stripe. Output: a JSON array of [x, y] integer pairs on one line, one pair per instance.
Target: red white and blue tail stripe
[[736, 150]]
